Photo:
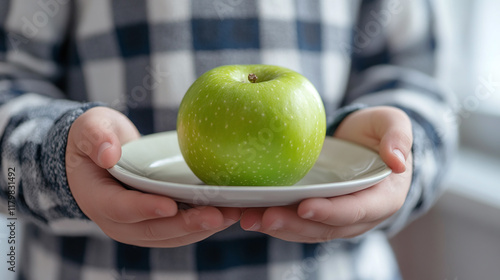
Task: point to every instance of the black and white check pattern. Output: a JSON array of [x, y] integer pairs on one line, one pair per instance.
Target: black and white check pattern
[[141, 56]]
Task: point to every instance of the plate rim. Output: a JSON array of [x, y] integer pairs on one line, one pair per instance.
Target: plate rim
[[377, 177]]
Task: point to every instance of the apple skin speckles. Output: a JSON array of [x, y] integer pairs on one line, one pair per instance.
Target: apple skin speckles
[[234, 132]]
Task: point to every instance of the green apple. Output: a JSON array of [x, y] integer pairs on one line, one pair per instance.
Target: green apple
[[251, 125]]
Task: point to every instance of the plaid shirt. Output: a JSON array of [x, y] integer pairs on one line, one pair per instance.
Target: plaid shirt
[[141, 56]]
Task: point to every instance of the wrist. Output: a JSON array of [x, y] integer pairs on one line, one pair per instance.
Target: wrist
[[340, 114]]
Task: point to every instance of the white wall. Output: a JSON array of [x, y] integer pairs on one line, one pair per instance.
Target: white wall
[[451, 243], [460, 237], [470, 51]]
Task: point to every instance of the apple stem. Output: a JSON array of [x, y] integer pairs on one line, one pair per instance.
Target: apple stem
[[252, 78]]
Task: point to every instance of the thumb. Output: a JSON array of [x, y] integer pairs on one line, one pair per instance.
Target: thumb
[[396, 143], [99, 134]]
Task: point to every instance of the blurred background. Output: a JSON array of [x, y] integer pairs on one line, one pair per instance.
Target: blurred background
[[460, 237]]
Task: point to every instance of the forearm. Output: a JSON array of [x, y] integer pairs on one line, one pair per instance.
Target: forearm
[[34, 134]]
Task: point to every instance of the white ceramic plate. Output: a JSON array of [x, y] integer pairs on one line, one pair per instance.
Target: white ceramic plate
[[154, 164]]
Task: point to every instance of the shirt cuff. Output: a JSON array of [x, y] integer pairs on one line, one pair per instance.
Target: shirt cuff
[[54, 163]]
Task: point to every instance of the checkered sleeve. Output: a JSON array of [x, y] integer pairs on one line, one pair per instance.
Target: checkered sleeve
[[393, 57], [34, 117]]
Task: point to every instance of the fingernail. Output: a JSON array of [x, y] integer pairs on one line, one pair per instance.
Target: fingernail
[[205, 226], [161, 213], [104, 146], [228, 222], [255, 226], [278, 224], [400, 156], [308, 215]]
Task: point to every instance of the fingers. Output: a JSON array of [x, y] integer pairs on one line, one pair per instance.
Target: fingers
[[375, 203], [186, 227], [343, 211], [340, 211], [102, 198], [128, 206], [200, 219], [320, 219], [284, 223], [134, 217]]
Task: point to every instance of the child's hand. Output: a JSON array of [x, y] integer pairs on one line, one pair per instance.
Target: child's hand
[[386, 130], [129, 216]]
